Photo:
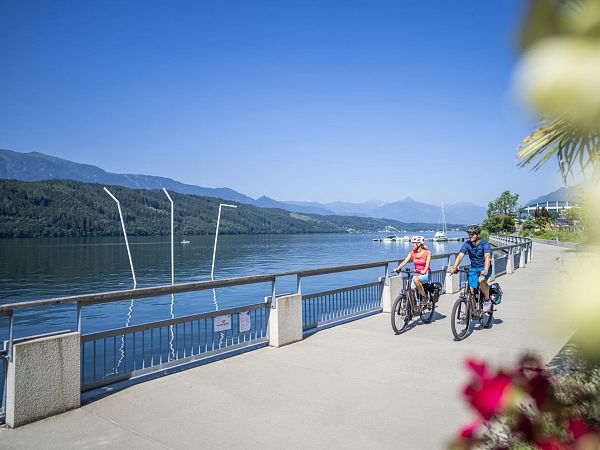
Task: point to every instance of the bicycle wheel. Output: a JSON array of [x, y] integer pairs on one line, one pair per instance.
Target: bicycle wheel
[[400, 314], [427, 310], [461, 319]]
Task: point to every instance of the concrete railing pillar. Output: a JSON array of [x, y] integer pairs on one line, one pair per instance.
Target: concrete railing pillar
[[510, 266], [285, 321], [43, 378], [493, 269], [452, 283], [522, 257], [385, 297], [394, 288]]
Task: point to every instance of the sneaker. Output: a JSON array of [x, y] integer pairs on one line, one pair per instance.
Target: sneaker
[[487, 306]]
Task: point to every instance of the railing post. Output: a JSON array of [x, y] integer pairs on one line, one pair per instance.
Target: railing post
[[451, 281], [493, 268], [285, 322], [385, 291], [7, 359], [79, 317], [11, 323], [394, 289], [521, 256], [33, 393], [299, 284], [273, 297], [510, 267]]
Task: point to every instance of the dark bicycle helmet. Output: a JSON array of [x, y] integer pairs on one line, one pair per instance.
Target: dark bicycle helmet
[[474, 229]]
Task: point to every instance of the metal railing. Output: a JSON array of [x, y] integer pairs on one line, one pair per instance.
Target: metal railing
[[330, 306], [516, 259], [500, 266], [124, 353], [113, 355], [439, 276]]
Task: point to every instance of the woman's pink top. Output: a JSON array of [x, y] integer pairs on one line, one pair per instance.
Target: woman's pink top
[[421, 261]]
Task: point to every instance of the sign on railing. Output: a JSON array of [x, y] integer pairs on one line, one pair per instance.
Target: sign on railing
[[115, 355]]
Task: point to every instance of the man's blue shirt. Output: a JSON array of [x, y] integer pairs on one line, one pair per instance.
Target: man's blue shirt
[[476, 253]]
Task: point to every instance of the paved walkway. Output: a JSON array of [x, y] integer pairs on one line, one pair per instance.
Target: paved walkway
[[353, 386]]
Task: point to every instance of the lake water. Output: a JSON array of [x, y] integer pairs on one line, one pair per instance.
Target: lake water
[[42, 268]]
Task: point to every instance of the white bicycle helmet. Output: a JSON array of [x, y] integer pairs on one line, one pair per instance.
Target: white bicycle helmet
[[417, 240]]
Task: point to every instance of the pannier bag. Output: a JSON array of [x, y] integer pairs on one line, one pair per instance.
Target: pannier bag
[[495, 293], [435, 289]]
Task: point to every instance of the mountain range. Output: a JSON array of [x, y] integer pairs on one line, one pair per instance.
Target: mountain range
[[561, 195], [35, 166]]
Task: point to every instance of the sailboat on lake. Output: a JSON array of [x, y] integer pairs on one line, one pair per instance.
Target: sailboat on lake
[[440, 236]]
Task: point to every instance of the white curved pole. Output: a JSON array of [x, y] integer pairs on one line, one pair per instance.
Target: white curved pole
[[124, 234], [171, 333], [212, 268], [172, 228]]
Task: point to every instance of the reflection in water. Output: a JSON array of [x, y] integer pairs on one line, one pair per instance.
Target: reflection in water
[[221, 334], [171, 327], [127, 323]]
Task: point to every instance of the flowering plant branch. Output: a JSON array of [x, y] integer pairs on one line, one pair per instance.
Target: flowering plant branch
[[529, 407]]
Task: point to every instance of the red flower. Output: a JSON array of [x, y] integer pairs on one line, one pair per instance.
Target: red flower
[[488, 395], [550, 443], [578, 428], [478, 367], [468, 431], [540, 388]]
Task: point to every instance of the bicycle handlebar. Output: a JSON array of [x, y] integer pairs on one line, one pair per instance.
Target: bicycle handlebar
[[405, 271], [468, 269]]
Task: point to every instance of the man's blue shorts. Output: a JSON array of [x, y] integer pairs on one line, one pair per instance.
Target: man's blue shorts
[[474, 276]]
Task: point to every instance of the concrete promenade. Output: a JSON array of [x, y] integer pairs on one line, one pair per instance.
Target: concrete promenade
[[356, 385]]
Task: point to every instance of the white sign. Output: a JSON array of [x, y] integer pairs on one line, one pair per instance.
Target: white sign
[[222, 323], [245, 323]]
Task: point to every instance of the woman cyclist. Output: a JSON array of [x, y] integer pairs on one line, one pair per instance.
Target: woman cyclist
[[421, 257]]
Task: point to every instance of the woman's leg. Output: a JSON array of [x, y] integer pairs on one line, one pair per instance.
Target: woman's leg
[[420, 286]]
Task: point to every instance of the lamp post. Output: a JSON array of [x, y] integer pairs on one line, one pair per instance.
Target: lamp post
[[172, 227], [171, 333], [125, 235], [212, 269], [130, 311]]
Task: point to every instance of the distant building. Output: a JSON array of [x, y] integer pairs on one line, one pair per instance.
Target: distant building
[[549, 204], [557, 206]]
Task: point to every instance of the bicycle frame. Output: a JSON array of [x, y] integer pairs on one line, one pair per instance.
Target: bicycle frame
[[473, 294], [410, 293]]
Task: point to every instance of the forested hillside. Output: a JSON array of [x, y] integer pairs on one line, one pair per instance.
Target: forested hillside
[[57, 208]]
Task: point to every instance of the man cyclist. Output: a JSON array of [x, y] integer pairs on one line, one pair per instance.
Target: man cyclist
[[480, 254]]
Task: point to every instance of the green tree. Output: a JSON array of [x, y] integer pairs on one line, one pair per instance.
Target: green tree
[[505, 204], [502, 214]]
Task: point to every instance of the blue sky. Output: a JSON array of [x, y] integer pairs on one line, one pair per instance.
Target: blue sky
[[297, 100]]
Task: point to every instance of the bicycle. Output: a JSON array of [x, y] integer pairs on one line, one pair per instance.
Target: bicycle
[[469, 306], [406, 305]]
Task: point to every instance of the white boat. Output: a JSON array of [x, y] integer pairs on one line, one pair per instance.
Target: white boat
[[440, 235], [185, 242], [391, 238], [403, 239]]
